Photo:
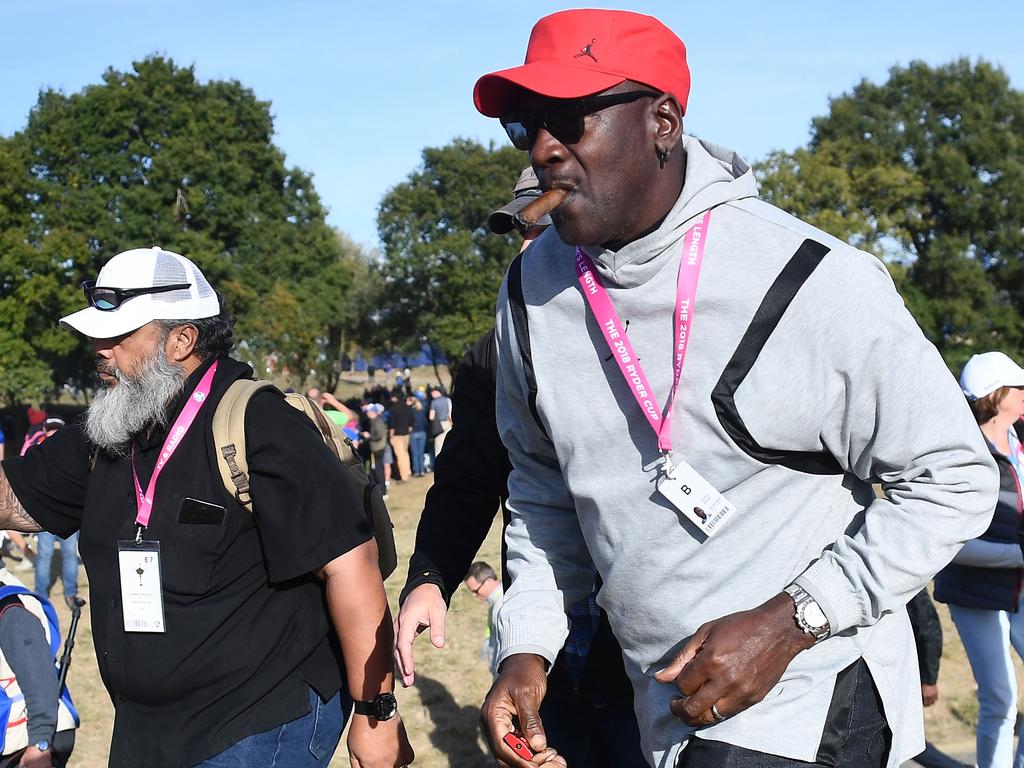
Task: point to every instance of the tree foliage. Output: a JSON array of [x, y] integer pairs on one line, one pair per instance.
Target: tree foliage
[[153, 156], [356, 324], [927, 171], [34, 285], [441, 266]]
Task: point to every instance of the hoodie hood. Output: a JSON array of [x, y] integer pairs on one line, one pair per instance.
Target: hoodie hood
[[714, 175]]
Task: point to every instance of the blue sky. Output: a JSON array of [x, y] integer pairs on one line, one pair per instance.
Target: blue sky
[[358, 89]]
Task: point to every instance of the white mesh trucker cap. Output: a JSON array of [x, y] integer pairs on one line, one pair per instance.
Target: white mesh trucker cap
[[146, 268]]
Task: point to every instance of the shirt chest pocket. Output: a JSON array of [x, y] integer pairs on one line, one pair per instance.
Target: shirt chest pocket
[[197, 547]]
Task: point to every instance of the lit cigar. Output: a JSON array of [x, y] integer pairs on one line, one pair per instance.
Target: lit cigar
[[538, 209]]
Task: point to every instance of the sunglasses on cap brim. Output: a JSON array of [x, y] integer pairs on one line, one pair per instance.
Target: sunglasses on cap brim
[[108, 299], [563, 119]]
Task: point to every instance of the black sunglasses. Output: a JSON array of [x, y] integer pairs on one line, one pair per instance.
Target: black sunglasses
[[107, 299], [479, 586], [563, 118]]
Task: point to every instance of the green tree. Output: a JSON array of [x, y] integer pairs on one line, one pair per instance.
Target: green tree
[[153, 156], [356, 323], [926, 171], [441, 265], [33, 284]]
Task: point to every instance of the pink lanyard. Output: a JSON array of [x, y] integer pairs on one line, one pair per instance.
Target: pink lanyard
[[618, 342], [181, 425]]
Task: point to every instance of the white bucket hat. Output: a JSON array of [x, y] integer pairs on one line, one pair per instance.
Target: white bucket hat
[[987, 372], [137, 271]]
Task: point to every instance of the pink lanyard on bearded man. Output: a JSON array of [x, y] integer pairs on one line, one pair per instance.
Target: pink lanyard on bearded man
[[618, 342], [174, 437]]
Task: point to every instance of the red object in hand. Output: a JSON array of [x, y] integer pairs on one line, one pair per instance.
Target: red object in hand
[[519, 746]]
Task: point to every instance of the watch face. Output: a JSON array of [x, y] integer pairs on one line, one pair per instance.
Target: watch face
[[385, 705], [814, 616]]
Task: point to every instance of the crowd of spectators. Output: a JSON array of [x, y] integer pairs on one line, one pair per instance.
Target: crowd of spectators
[[397, 430]]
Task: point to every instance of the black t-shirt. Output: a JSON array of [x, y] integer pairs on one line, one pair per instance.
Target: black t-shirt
[[247, 627], [401, 418]]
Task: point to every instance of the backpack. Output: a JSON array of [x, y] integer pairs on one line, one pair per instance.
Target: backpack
[[229, 437]]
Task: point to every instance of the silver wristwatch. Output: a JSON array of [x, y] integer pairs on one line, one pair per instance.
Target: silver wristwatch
[[809, 616]]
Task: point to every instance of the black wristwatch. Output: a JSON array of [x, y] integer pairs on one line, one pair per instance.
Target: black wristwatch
[[383, 706]]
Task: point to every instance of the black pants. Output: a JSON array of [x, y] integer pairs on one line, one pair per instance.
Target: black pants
[[378, 467], [856, 734], [592, 736]]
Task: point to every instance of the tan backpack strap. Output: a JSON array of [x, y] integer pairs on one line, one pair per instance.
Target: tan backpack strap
[[229, 438]]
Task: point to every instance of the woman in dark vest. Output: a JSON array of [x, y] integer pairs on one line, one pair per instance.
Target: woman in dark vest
[[983, 583]]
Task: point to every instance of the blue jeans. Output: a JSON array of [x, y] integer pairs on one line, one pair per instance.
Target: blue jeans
[[417, 447], [69, 562], [987, 637], [308, 742], [593, 736]]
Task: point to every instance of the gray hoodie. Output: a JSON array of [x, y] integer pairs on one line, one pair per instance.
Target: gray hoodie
[[844, 391]]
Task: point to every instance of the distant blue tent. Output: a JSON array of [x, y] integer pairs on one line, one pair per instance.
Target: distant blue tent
[[399, 360]]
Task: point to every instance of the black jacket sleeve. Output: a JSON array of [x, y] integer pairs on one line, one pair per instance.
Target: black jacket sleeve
[[927, 635], [470, 479]]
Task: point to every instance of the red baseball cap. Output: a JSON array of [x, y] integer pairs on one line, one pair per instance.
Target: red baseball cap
[[580, 52]]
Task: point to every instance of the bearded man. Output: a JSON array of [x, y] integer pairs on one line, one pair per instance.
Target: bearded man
[[216, 648]]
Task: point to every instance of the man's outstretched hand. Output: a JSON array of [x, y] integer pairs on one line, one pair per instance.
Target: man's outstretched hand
[[514, 698], [731, 663], [424, 608]]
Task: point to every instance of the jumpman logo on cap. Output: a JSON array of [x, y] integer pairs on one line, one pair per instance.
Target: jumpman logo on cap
[[586, 50]]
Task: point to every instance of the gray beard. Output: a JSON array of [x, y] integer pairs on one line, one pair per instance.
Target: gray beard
[[125, 409]]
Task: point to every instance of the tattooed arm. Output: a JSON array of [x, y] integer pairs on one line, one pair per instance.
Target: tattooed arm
[[13, 516]]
